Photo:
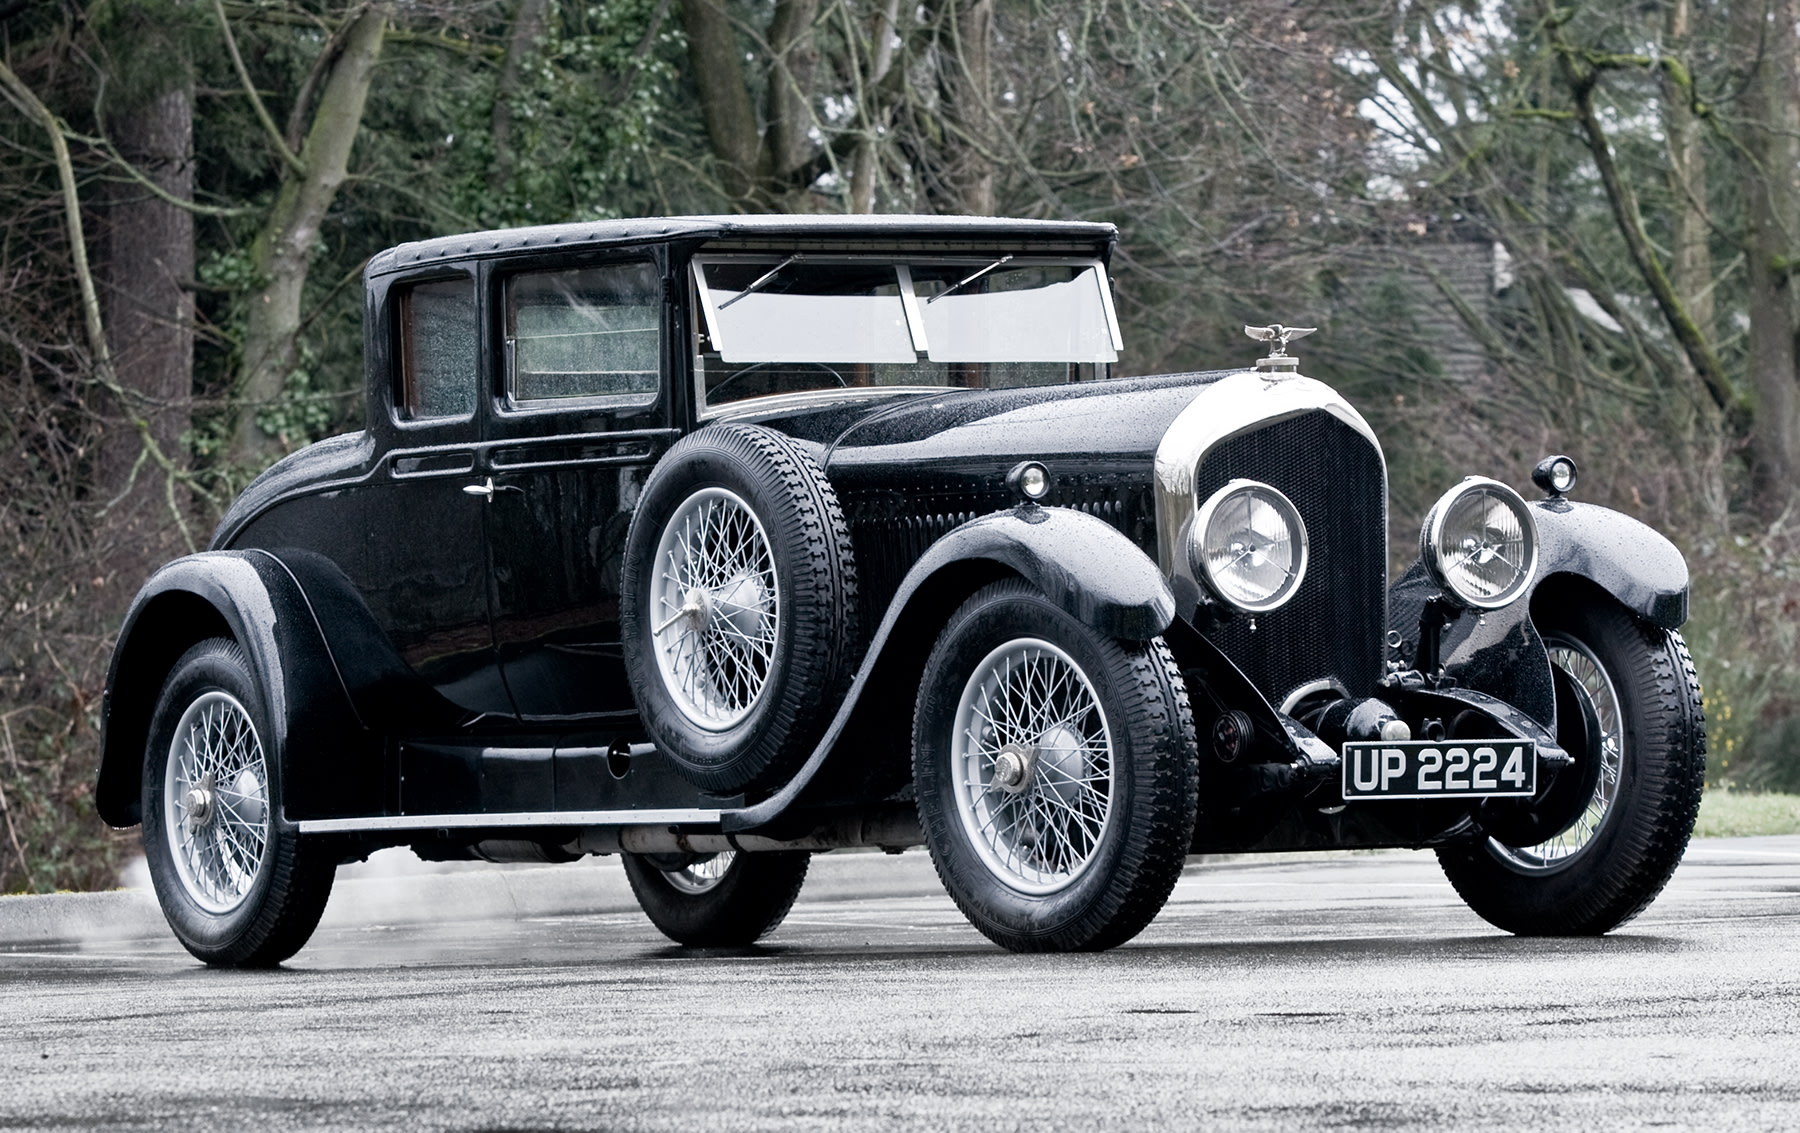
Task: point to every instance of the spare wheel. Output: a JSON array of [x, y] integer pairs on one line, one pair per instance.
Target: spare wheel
[[738, 616]]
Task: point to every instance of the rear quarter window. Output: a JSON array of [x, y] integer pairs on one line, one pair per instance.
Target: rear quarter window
[[438, 350]]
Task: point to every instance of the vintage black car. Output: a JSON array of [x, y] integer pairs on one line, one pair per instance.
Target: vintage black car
[[717, 542]]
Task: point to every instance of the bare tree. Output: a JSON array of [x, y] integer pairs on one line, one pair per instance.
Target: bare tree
[[283, 250]]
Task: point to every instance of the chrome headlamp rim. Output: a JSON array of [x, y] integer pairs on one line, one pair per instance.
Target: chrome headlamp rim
[[1433, 553], [1297, 528]]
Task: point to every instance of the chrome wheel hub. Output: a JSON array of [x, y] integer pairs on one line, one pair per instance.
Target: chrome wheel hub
[[216, 802], [1013, 767], [1032, 767], [199, 803], [714, 598]]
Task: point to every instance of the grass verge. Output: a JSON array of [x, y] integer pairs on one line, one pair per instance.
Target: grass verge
[[1738, 814]]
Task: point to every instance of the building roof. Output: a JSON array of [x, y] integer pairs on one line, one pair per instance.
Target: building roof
[[850, 228]]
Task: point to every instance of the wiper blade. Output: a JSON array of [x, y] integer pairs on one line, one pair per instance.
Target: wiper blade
[[964, 283], [762, 279]]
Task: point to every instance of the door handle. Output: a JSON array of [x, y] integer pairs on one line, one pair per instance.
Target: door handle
[[487, 488]]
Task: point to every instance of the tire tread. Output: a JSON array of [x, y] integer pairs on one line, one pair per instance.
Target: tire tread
[[1637, 851]]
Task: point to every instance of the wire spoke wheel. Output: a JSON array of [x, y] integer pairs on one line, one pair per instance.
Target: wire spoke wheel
[[703, 874], [716, 609], [722, 900], [1595, 687], [1033, 766], [216, 802], [1055, 771]]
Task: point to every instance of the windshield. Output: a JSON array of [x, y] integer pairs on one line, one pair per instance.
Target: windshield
[[775, 324]]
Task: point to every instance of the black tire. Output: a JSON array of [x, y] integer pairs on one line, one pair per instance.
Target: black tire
[[230, 901], [1027, 883], [1612, 861], [799, 659], [703, 908]]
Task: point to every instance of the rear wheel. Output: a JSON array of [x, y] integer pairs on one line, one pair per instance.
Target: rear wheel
[[1056, 773], [724, 900], [239, 886], [1629, 711]]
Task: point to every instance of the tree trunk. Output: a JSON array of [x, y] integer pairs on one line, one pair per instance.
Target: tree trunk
[[717, 67], [970, 97], [868, 151], [282, 251], [787, 142], [1691, 266], [965, 177], [528, 27], [146, 273], [1771, 124]]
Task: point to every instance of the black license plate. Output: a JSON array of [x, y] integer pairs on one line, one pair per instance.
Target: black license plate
[[1439, 769]]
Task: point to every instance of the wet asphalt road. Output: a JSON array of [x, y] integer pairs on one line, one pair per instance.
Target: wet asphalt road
[[1272, 994]]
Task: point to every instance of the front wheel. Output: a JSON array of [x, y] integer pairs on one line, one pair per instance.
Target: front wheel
[[1629, 711], [1056, 773], [238, 885], [725, 900]]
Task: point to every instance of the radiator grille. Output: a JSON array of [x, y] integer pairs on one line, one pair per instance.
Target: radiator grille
[[1333, 627]]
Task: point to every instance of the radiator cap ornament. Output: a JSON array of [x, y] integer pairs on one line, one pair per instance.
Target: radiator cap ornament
[[1278, 336]]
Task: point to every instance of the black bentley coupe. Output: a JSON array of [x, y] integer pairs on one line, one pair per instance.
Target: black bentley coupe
[[716, 542]]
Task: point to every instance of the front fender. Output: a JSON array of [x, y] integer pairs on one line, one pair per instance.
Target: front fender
[[1628, 559], [251, 597], [1082, 563], [1499, 652]]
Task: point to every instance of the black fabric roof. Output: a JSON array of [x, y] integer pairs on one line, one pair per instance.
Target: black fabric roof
[[857, 228]]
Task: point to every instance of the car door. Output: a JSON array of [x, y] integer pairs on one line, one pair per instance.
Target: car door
[[423, 570], [581, 412]]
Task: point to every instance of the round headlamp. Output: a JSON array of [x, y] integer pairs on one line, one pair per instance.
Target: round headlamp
[[1554, 474], [1029, 481], [1480, 543], [1249, 545]]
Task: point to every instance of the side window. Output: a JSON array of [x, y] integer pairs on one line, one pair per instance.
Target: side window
[[593, 334], [437, 350]]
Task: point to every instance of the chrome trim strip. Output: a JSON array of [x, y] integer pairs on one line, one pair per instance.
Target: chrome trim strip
[[515, 818], [909, 303], [1224, 409], [1106, 302], [1232, 405]]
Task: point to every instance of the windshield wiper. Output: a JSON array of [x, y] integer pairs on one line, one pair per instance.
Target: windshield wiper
[[766, 277], [964, 283]]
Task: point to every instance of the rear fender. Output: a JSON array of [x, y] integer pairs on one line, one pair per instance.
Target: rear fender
[[1081, 563], [251, 597]]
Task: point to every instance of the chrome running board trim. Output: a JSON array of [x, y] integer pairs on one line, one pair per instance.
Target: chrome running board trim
[[517, 818]]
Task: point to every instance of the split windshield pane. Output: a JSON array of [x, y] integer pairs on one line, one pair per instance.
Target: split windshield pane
[[795, 324], [1014, 313]]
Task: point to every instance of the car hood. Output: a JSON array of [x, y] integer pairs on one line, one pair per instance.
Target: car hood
[[1118, 421]]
